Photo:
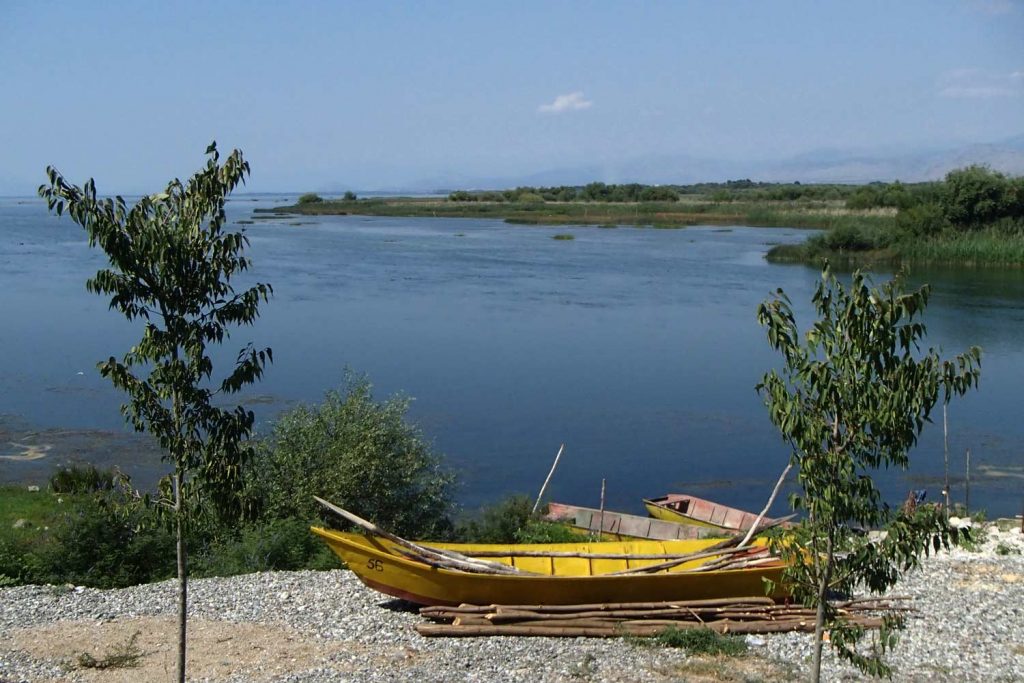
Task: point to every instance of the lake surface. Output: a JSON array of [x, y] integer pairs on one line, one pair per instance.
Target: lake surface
[[637, 348]]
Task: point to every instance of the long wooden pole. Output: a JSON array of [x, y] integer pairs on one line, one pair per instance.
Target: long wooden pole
[[967, 485], [179, 523], [708, 602], [676, 561], [447, 558], [771, 499], [626, 628], [599, 556], [600, 524], [544, 487], [945, 455]]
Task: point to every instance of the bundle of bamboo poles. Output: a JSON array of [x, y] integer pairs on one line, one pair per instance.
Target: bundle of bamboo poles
[[608, 620]]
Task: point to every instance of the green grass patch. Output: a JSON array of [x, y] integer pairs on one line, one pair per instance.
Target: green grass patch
[[700, 641], [25, 513]]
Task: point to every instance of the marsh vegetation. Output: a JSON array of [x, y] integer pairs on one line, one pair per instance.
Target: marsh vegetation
[[975, 216]]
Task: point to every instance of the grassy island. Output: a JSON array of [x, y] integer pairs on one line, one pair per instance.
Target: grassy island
[[974, 217], [737, 202]]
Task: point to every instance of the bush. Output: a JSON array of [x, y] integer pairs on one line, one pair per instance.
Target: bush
[[925, 220], [511, 521], [82, 479], [659, 194], [310, 198], [359, 454], [108, 542], [499, 523], [542, 531], [848, 238], [276, 545], [350, 196], [977, 195]]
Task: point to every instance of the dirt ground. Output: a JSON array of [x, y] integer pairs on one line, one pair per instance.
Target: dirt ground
[[217, 649]]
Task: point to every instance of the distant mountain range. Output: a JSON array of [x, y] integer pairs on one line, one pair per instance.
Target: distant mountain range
[[820, 166]]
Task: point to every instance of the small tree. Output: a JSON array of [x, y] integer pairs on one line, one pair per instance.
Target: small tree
[[310, 198], [853, 396], [975, 196], [171, 265]]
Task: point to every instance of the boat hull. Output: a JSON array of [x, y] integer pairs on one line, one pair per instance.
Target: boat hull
[[701, 513], [568, 581], [619, 526]]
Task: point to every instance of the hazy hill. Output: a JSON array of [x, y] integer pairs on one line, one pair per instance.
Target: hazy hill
[[826, 165]]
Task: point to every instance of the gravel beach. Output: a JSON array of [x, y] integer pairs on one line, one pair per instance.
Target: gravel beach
[[325, 626]]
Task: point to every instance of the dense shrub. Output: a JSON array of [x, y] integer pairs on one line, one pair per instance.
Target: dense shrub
[[926, 220], [82, 479], [12, 562], [977, 196], [541, 531], [498, 523], [510, 521], [894, 195], [106, 541], [310, 198], [359, 454], [275, 545], [848, 238], [658, 194]]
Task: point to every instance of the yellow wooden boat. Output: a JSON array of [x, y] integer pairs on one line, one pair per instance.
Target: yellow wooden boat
[[553, 580], [685, 509]]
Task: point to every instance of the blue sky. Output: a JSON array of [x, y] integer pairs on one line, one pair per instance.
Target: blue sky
[[376, 94]]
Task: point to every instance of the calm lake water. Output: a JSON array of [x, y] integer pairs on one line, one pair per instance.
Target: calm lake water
[[637, 348]]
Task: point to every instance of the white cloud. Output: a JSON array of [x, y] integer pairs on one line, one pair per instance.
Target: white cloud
[[980, 84], [573, 101], [994, 7]]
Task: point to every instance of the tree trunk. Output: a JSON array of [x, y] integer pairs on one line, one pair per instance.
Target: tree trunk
[[819, 620], [182, 575]]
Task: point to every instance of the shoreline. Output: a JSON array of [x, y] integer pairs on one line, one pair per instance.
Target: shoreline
[[326, 626], [849, 238]]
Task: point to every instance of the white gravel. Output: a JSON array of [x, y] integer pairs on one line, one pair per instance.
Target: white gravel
[[969, 627]]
